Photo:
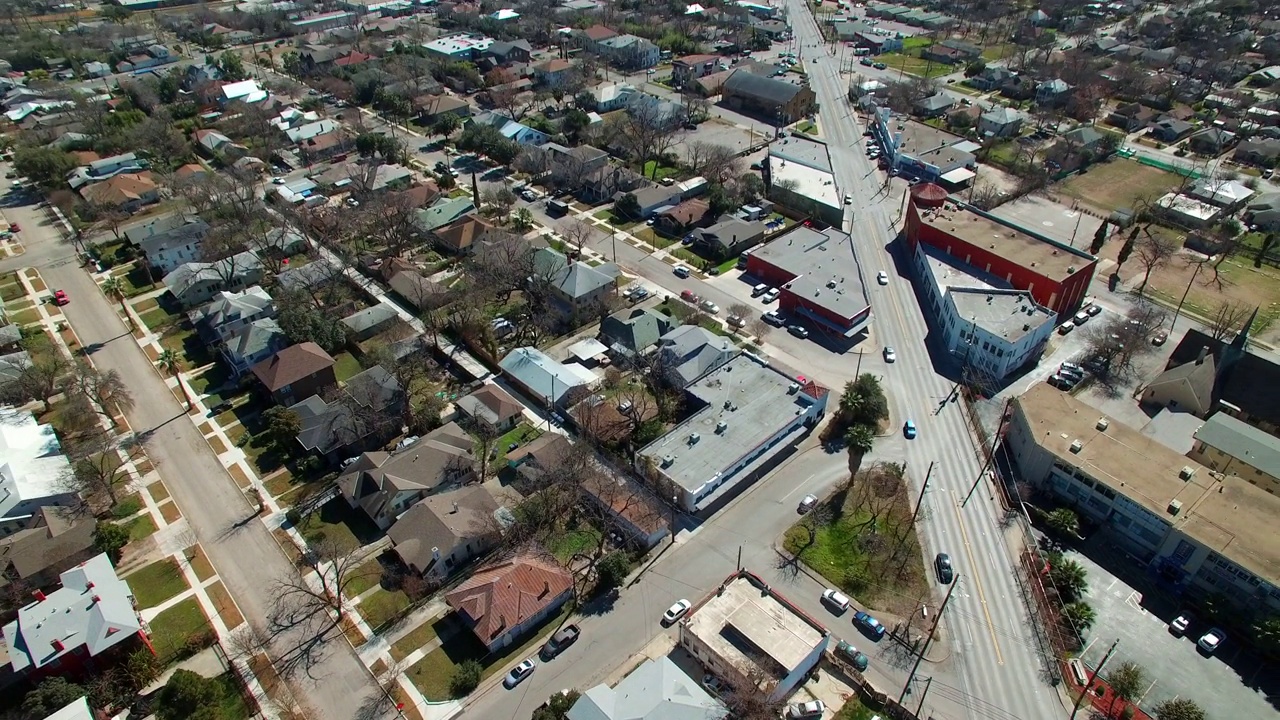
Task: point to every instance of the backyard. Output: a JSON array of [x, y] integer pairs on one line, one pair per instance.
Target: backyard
[[337, 523], [1119, 183]]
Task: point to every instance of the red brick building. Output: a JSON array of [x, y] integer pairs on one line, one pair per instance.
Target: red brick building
[[819, 279]]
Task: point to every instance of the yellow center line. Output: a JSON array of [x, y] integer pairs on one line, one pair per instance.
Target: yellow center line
[[982, 596]]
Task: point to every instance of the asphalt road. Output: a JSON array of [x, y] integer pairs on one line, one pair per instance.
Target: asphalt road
[[335, 685]]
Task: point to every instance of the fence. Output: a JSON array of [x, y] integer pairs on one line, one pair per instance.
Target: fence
[[881, 703], [1180, 170]]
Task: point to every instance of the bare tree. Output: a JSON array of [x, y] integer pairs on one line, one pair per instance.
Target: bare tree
[[1118, 342], [97, 465], [576, 232], [37, 379], [106, 391], [742, 311], [1227, 319], [760, 328], [1154, 251]]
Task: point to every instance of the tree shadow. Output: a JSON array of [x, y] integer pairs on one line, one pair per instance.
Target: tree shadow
[[601, 603]]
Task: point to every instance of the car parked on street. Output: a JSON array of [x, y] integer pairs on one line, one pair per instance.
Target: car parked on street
[[882, 277], [799, 331], [942, 565], [563, 638], [808, 503], [690, 296], [60, 297], [680, 271], [836, 600], [773, 317], [1066, 327], [710, 307], [868, 625], [519, 673], [853, 656], [676, 611]]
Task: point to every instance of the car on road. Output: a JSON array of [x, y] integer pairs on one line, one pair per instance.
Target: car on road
[[1211, 641], [14, 227], [866, 61], [770, 296], [277, 180], [680, 271], [942, 565], [563, 638], [909, 429], [889, 354], [1159, 337], [801, 711], [868, 625], [1180, 624], [708, 306], [799, 331], [853, 656], [848, 199], [808, 503], [879, 66], [60, 297], [1066, 327], [675, 612], [519, 673], [651, 71], [690, 296], [882, 277], [528, 195], [773, 317], [835, 600]]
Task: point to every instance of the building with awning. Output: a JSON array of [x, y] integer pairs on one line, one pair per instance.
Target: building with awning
[[957, 177]]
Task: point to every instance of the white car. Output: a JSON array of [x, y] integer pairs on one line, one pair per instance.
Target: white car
[[710, 307], [836, 599], [882, 277], [519, 673], [773, 317], [680, 271], [801, 711], [675, 612], [890, 355], [848, 199], [1212, 640], [277, 180], [1180, 624], [770, 296]]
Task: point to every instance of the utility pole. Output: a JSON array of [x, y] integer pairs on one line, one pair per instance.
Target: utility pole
[[991, 455], [923, 490], [928, 640], [613, 235], [1073, 232], [927, 682], [858, 372], [1094, 676]]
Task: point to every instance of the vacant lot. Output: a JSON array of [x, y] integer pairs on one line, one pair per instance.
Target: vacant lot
[[1241, 283], [915, 65], [1117, 184]]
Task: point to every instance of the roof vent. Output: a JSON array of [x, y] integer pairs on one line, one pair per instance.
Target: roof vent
[[721, 427], [1103, 424], [668, 460], [694, 438], [1186, 472], [1175, 507], [793, 387], [1076, 446], [435, 553]]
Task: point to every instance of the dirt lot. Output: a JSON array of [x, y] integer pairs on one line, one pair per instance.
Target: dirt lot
[[1116, 184]]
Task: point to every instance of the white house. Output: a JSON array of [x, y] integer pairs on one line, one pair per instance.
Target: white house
[[33, 472]]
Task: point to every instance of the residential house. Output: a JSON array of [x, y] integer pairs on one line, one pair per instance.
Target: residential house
[[1211, 141], [127, 192], [657, 689], [774, 100], [552, 73], [692, 67], [1000, 121], [566, 167], [13, 365], [631, 510], [542, 455], [991, 77], [441, 533], [1052, 93], [1262, 153], [231, 312], [252, 344], [1231, 195], [310, 130], [322, 147], [1019, 87], [191, 172], [608, 96], [52, 541], [309, 277], [420, 291], [245, 91], [609, 182], [545, 380], [1131, 117], [443, 212], [1184, 388], [574, 283], [1171, 130], [195, 283], [371, 321], [519, 133], [935, 105], [729, 236], [461, 236], [878, 44], [91, 613], [502, 602], [506, 53], [215, 145], [940, 53], [689, 351], [633, 331], [1077, 142], [383, 485], [652, 199], [629, 52], [168, 240], [365, 414], [296, 373], [493, 406], [33, 470], [680, 219], [433, 107]]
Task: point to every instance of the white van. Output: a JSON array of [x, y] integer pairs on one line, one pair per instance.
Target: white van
[[759, 290]]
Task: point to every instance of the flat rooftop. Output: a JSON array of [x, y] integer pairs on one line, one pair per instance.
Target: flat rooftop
[[1010, 314], [1225, 514], [741, 623], [824, 265], [918, 138], [810, 182], [458, 43], [800, 150], [1015, 245], [759, 396]]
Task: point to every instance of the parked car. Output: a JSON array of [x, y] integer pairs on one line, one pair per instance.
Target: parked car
[[1080, 318], [1066, 327], [715, 684], [882, 277], [406, 442], [868, 625], [848, 199], [60, 297], [866, 61], [1072, 368], [708, 306], [801, 711], [909, 429], [1211, 641], [1159, 337], [1062, 382], [736, 321], [808, 503], [563, 638], [519, 673], [770, 296], [1180, 624], [853, 656], [799, 331], [681, 271], [942, 564], [835, 599], [1093, 310], [675, 612], [690, 296], [773, 317]]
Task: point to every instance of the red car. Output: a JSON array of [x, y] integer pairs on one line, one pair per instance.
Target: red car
[[690, 296], [13, 227], [60, 297]]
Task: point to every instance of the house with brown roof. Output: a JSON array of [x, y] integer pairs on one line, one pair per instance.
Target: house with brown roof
[[539, 456], [692, 67], [127, 192], [492, 404], [682, 218], [54, 539], [432, 107], [552, 72], [441, 533], [460, 236], [502, 602], [296, 373], [384, 484], [632, 511]]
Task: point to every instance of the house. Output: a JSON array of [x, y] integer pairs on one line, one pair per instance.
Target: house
[[774, 100], [935, 105], [1052, 93], [679, 219], [634, 330], [1019, 87], [878, 44], [575, 283], [195, 283], [656, 690], [543, 454], [245, 91], [651, 199], [383, 485], [168, 240], [310, 130], [940, 53], [1000, 121], [608, 96], [491, 405], [296, 373], [13, 365], [632, 511], [127, 192], [729, 236], [567, 167], [629, 52], [31, 476], [191, 172], [546, 380], [1226, 444], [689, 351], [1262, 153], [506, 53], [1211, 141], [365, 414], [322, 147], [231, 312], [218, 146], [519, 133], [52, 540], [91, 613], [461, 236], [445, 211], [437, 106], [1131, 117], [1231, 195], [1083, 139], [369, 322], [1171, 130], [692, 67], [1185, 388], [441, 533], [552, 73], [500, 603], [420, 291], [252, 344], [991, 77]]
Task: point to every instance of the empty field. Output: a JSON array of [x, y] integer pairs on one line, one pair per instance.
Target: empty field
[[1118, 184]]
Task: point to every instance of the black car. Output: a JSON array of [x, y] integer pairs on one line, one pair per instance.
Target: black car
[[942, 564], [563, 638]]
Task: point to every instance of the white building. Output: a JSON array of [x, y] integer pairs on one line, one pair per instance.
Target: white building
[[984, 323], [33, 472], [459, 47], [1188, 211]]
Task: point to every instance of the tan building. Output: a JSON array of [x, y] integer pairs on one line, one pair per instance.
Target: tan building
[[1229, 445], [1185, 388], [1199, 531]]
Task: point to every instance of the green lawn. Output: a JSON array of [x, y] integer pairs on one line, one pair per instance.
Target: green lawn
[[416, 638], [383, 605], [157, 319], [140, 527], [807, 127], [662, 171], [364, 578], [231, 702], [171, 630], [25, 317], [727, 265], [338, 523], [346, 366], [210, 380], [183, 340], [524, 433], [915, 65], [567, 543], [136, 281], [853, 709], [915, 42], [156, 582]]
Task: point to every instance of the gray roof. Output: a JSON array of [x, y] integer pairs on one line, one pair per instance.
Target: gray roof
[[442, 522], [762, 88], [636, 329], [491, 404], [941, 101], [327, 426], [1084, 135], [306, 276], [1243, 442], [370, 317], [657, 690], [52, 536], [10, 334], [548, 379], [575, 279], [728, 231], [691, 351], [442, 455], [256, 338], [231, 306], [804, 151], [1001, 115], [189, 275], [12, 365], [165, 232]]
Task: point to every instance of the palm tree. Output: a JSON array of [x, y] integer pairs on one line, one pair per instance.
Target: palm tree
[[114, 289], [859, 438], [172, 364], [1070, 578], [1080, 616], [1065, 521]]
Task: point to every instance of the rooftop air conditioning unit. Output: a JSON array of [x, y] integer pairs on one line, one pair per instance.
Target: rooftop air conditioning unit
[[1186, 472], [694, 438], [722, 426], [792, 388], [1175, 507], [1076, 446], [668, 460], [1103, 424]]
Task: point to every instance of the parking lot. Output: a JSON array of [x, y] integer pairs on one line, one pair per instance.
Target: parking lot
[[1230, 684]]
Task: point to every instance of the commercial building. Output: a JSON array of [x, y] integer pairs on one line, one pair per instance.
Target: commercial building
[[1056, 275], [1197, 531], [921, 151], [748, 633], [819, 278], [459, 47], [799, 177], [770, 99], [743, 413], [1228, 445]]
